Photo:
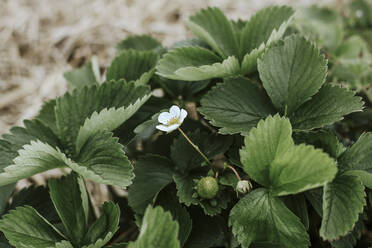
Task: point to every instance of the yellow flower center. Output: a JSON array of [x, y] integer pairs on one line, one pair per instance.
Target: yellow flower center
[[173, 121]]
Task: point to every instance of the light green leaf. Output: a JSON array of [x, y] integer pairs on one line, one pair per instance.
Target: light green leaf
[[271, 159], [153, 173], [212, 26], [236, 105], [70, 199], [139, 42], [158, 230], [329, 105], [195, 63], [130, 65], [81, 77], [343, 201], [301, 168], [102, 160], [107, 119], [33, 159], [351, 239], [364, 176], [104, 228], [72, 109], [64, 244], [260, 217], [271, 139], [24, 227], [359, 155], [292, 72], [261, 27], [323, 25]]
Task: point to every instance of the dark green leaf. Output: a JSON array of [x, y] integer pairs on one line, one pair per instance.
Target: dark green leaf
[[212, 26], [139, 42], [343, 201], [70, 198], [132, 65], [187, 158], [153, 173], [260, 217], [329, 105], [236, 106], [292, 72], [25, 227]]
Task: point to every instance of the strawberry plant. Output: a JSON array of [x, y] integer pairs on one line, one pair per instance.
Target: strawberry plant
[[233, 138]]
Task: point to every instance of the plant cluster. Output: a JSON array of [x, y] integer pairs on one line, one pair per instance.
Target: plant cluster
[[233, 138]]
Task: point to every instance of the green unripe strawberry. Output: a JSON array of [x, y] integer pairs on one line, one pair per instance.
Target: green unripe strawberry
[[207, 187]]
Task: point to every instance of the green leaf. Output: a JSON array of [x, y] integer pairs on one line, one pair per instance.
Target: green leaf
[[262, 25], [260, 217], [167, 199], [33, 130], [33, 159], [212, 26], [297, 204], [186, 90], [323, 25], [84, 76], [153, 173], [195, 63], [322, 139], [132, 65], [364, 176], [359, 155], [38, 198], [271, 139], [301, 168], [103, 160], [186, 158], [107, 119], [25, 227], [158, 230], [72, 109], [104, 228], [236, 105], [271, 158], [207, 231], [64, 244], [292, 72], [70, 198], [47, 115], [350, 240], [343, 201], [326, 107], [139, 42]]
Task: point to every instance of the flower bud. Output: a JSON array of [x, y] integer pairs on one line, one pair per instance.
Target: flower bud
[[243, 186]]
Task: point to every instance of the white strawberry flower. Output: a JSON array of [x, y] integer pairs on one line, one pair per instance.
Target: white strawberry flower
[[170, 121]]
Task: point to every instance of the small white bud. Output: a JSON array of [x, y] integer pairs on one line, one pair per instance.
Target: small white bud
[[243, 186]]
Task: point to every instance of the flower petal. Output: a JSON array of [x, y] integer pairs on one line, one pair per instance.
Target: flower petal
[[175, 111], [172, 127], [164, 117], [183, 115], [162, 128]]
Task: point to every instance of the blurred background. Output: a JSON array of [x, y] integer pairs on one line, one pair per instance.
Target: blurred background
[[41, 39]]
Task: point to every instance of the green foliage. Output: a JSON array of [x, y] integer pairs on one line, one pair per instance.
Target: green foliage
[[278, 103], [261, 217], [158, 230]]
